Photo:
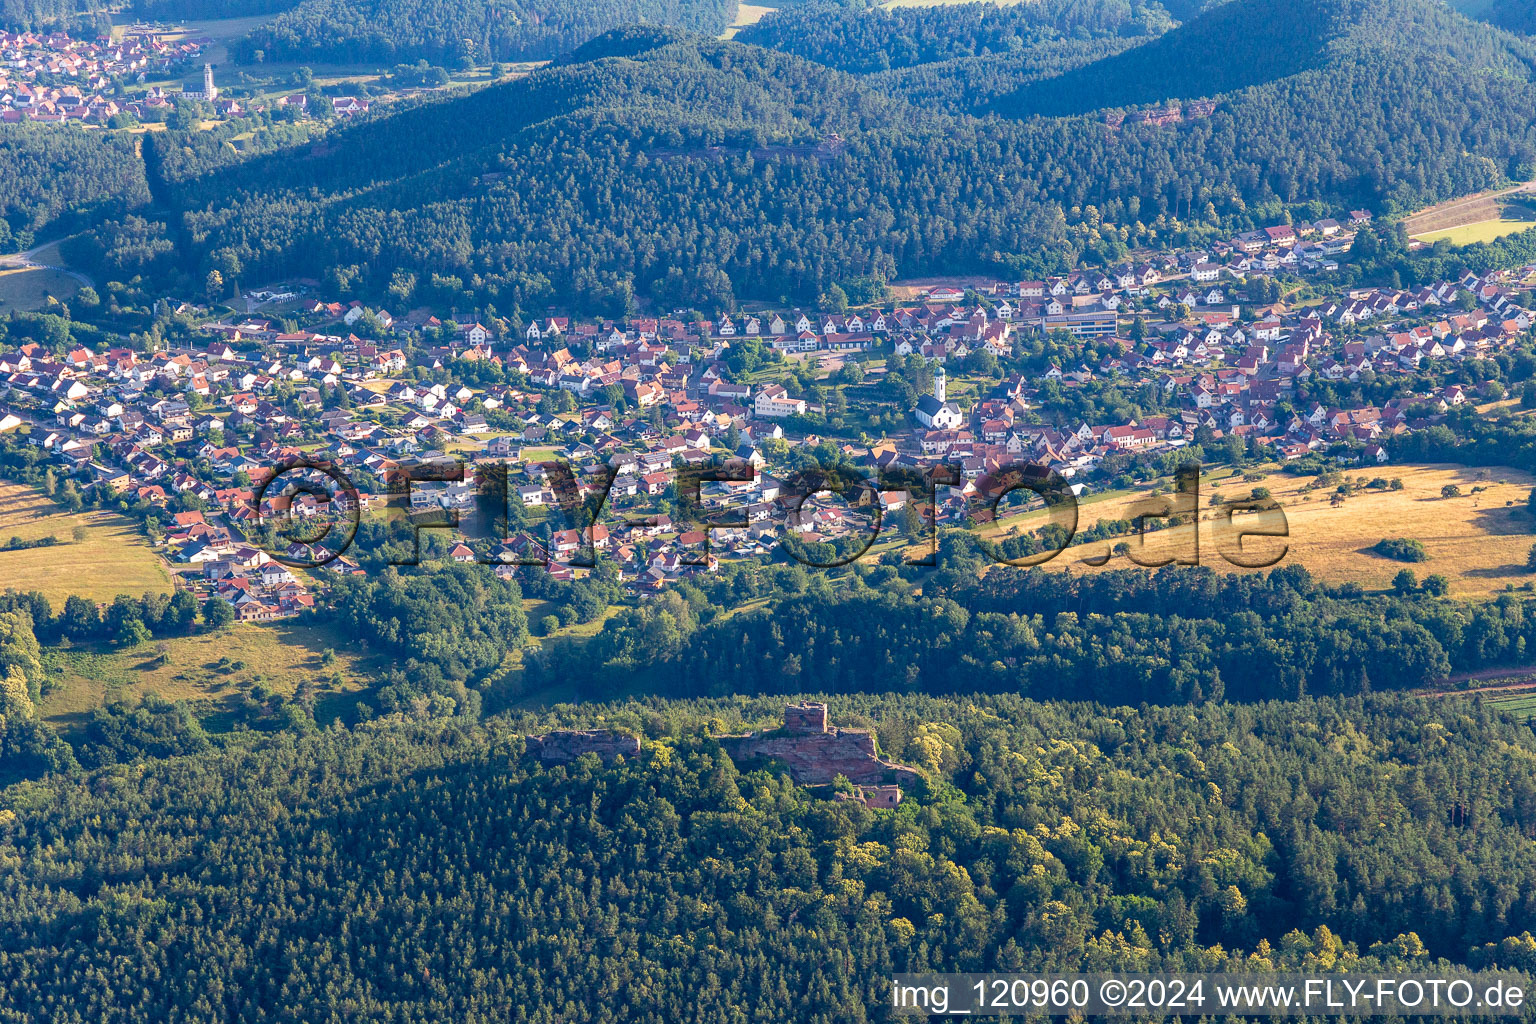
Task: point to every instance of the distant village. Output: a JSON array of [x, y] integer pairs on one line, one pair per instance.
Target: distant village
[[196, 429], [53, 78]]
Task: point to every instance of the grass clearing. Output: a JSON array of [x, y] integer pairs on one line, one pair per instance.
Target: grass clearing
[[509, 690], [29, 288], [113, 558], [746, 15], [1478, 541], [277, 655]]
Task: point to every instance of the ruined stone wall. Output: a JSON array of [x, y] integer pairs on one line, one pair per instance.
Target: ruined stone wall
[[805, 717], [566, 745]]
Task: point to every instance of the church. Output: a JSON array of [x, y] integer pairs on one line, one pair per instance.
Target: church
[[934, 412], [210, 92]]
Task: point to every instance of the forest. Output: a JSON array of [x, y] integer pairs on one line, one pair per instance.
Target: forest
[[1126, 636], [62, 177], [463, 33], [852, 37], [73, 15], [699, 172], [1514, 15], [1259, 42], [422, 870]]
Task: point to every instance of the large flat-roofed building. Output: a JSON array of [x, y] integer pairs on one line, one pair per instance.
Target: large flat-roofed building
[[1098, 324]]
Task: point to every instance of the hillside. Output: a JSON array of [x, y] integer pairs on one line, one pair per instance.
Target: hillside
[[46, 172], [859, 40], [1258, 42], [427, 871], [699, 172], [690, 169], [466, 31], [968, 85], [1514, 15]]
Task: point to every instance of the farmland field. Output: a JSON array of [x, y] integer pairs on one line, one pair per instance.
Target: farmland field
[[1512, 218], [113, 558], [1478, 540]]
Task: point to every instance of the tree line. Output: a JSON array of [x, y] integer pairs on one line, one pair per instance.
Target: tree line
[[463, 34], [861, 39], [1184, 635]]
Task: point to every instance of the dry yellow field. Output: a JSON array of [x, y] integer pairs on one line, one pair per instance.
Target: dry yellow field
[[1514, 217], [113, 558], [1479, 541]]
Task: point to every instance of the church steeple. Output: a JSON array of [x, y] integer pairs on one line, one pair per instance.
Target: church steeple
[[938, 385]]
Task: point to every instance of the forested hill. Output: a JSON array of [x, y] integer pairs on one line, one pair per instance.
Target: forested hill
[[472, 31], [861, 39], [687, 168], [1258, 42], [427, 872], [48, 173], [1514, 15], [700, 172]]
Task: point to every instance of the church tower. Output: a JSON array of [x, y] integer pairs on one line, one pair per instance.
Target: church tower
[[938, 385], [210, 91]]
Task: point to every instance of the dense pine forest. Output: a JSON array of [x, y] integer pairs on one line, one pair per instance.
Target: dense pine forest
[[426, 871], [965, 85], [852, 37], [1257, 42], [1174, 636], [1514, 15], [466, 33], [64, 177]]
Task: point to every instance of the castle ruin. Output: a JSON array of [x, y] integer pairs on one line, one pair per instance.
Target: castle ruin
[[565, 745], [816, 752], [811, 749]]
